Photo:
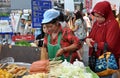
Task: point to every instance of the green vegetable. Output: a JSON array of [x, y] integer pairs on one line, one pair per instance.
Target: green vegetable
[[90, 71], [22, 43]]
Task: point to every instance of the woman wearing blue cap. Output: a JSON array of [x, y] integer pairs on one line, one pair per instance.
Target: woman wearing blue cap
[[60, 42]]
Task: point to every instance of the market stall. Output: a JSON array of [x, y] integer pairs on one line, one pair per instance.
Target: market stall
[[49, 69], [27, 64]]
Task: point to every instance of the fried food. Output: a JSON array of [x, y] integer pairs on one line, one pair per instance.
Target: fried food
[[16, 70], [5, 74]]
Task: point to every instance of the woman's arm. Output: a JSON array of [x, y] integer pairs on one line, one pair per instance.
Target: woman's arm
[[73, 42]]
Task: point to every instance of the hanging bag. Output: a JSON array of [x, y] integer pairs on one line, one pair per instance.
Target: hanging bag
[[106, 63], [92, 58]]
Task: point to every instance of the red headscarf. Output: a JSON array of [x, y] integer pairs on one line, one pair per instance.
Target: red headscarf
[[104, 9], [107, 31]]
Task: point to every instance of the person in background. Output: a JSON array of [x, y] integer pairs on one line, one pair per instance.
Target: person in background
[[105, 30], [71, 22], [39, 38], [25, 25], [87, 20], [67, 15], [62, 19], [69, 19], [60, 42], [28, 27], [22, 24], [80, 29]]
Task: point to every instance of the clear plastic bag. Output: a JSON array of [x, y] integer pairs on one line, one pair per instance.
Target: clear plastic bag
[[7, 59]]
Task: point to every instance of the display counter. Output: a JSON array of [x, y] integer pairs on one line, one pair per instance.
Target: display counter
[[20, 53]]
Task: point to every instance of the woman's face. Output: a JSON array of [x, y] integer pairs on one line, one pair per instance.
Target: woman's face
[[99, 18], [50, 27], [44, 29], [23, 21]]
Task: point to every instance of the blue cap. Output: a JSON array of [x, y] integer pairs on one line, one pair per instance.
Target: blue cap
[[49, 15], [24, 17]]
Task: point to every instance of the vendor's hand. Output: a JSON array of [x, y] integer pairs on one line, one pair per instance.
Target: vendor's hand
[[59, 52], [89, 41]]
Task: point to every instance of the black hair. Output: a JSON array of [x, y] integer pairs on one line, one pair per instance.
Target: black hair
[[61, 17], [40, 36], [42, 32], [78, 15], [54, 20]]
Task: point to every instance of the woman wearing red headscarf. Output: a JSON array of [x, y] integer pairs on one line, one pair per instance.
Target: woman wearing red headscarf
[[105, 30]]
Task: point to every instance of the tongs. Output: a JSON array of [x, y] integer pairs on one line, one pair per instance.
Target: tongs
[[55, 60]]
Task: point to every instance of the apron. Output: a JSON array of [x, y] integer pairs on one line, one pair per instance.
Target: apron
[[52, 49]]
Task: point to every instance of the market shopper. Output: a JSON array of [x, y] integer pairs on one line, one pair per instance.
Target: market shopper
[[60, 42], [62, 19], [22, 24], [104, 30], [80, 29], [87, 20]]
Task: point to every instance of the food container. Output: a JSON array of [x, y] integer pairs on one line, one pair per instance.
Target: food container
[[27, 65]]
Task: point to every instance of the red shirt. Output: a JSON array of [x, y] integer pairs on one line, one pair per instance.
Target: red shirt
[[68, 38]]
